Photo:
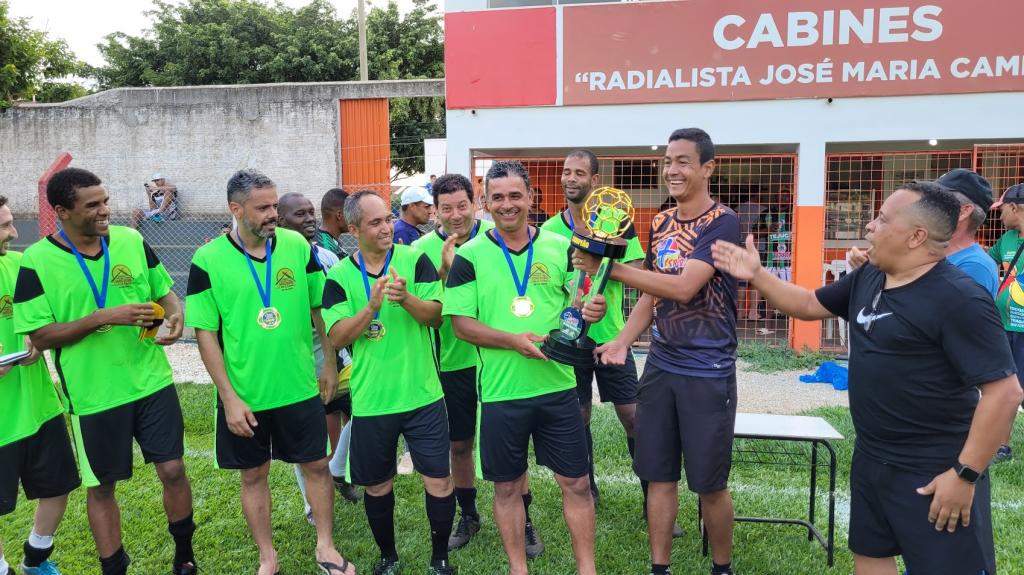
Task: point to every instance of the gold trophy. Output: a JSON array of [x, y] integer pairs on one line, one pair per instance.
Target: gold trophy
[[609, 214]]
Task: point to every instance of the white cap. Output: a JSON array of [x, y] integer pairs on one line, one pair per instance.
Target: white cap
[[157, 176], [413, 195]]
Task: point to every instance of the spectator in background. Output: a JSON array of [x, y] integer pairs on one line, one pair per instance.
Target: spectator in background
[[332, 222], [417, 207], [162, 198], [478, 193], [430, 185], [537, 215]]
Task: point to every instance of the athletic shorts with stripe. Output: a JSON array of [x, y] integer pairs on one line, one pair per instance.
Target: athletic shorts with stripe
[[103, 441], [43, 463]]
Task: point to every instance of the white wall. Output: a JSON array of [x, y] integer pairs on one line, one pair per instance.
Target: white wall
[[810, 124], [435, 156]]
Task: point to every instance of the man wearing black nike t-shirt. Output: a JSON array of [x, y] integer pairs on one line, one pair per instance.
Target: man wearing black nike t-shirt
[[923, 436]]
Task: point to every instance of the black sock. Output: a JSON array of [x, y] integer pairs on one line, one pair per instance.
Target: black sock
[[466, 497], [717, 569], [35, 557], [441, 515], [658, 569], [182, 531], [527, 500], [380, 512], [590, 454], [116, 564]]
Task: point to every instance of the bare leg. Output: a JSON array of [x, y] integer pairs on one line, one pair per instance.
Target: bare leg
[[177, 489], [718, 518], [104, 518], [578, 509], [49, 512], [627, 417], [320, 491], [463, 466], [510, 517], [874, 565], [663, 505], [256, 507]]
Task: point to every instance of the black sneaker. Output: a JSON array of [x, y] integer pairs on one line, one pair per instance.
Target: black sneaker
[[534, 546], [464, 532], [1005, 453], [347, 490], [387, 567], [441, 568]]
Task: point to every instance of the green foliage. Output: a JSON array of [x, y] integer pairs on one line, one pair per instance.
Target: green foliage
[[764, 358], [203, 42], [31, 64]]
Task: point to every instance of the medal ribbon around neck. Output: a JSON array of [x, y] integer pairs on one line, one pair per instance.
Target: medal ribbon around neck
[[264, 291], [520, 285], [472, 234], [366, 278], [100, 296]]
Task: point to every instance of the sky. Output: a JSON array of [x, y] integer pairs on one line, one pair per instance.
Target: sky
[[83, 24]]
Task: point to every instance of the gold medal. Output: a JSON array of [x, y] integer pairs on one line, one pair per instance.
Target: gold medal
[[375, 331], [269, 318], [522, 306]]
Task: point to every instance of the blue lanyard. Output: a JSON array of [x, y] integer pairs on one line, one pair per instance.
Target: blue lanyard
[[99, 296], [520, 286], [572, 225], [366, 279], [472, 234], [264, 291]]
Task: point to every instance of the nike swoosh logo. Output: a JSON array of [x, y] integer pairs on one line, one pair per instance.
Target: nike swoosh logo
[[864, 319]]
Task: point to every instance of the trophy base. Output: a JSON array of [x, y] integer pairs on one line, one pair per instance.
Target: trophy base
[[577, 352], [613, 248]]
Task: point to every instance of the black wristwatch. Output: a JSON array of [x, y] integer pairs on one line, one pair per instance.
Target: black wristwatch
[[966, 473]]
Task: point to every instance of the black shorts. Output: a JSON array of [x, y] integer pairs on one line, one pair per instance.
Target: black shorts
[[460, 398], [553, 421], [615, 383], [372, 456], [340, 404], [1016, 339], [43, 463], [889, 518], [294, 433], [692, 419], [103, 440]]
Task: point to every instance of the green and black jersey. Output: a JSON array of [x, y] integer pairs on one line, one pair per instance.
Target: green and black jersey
[[480, 286], [27, 396], [104, 369], [609, 327], [267, 368], [396, 372], [455, 353]]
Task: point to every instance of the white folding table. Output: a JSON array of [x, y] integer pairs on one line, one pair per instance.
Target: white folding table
[[789, 428]]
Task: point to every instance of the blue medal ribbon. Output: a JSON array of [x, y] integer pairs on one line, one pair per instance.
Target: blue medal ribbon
[[520, 285], [100, 296], [472, 234], [264, 291], [366, 278]]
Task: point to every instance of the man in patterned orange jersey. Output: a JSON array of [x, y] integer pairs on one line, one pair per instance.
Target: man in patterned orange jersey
[[687, 400]]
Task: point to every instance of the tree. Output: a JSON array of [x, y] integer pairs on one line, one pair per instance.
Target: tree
[[31, 64], [201, 42]]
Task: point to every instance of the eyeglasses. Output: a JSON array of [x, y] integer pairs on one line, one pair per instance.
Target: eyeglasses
[[874, 311]]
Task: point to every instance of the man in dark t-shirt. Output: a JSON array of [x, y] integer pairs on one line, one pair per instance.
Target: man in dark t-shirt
[[924, 438], [686, 406]]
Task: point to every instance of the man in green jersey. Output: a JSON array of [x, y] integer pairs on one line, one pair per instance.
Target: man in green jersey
[[507, 288], [87, 292], [332, 225], [34, 445], [615, 383], [1010, 296], [382, 301], [254, 293], [297, 214], [453, 199]]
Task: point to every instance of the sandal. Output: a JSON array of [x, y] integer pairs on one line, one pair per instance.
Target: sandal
[[328, 568]]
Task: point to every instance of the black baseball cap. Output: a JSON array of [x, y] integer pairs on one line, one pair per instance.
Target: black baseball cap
[[1013, 195], [971, 184]]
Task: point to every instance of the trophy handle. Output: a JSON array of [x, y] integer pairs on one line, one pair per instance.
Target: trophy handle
[[600, 279]]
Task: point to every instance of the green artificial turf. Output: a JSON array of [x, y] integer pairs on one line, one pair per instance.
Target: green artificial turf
[[223, 545]]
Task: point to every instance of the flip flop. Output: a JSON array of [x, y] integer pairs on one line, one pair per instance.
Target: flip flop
[[328, 568]]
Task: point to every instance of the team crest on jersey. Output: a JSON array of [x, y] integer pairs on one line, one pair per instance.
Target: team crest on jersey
[[539, 274], [121, 276], [6, 307], [285, 279], [670, 256]]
